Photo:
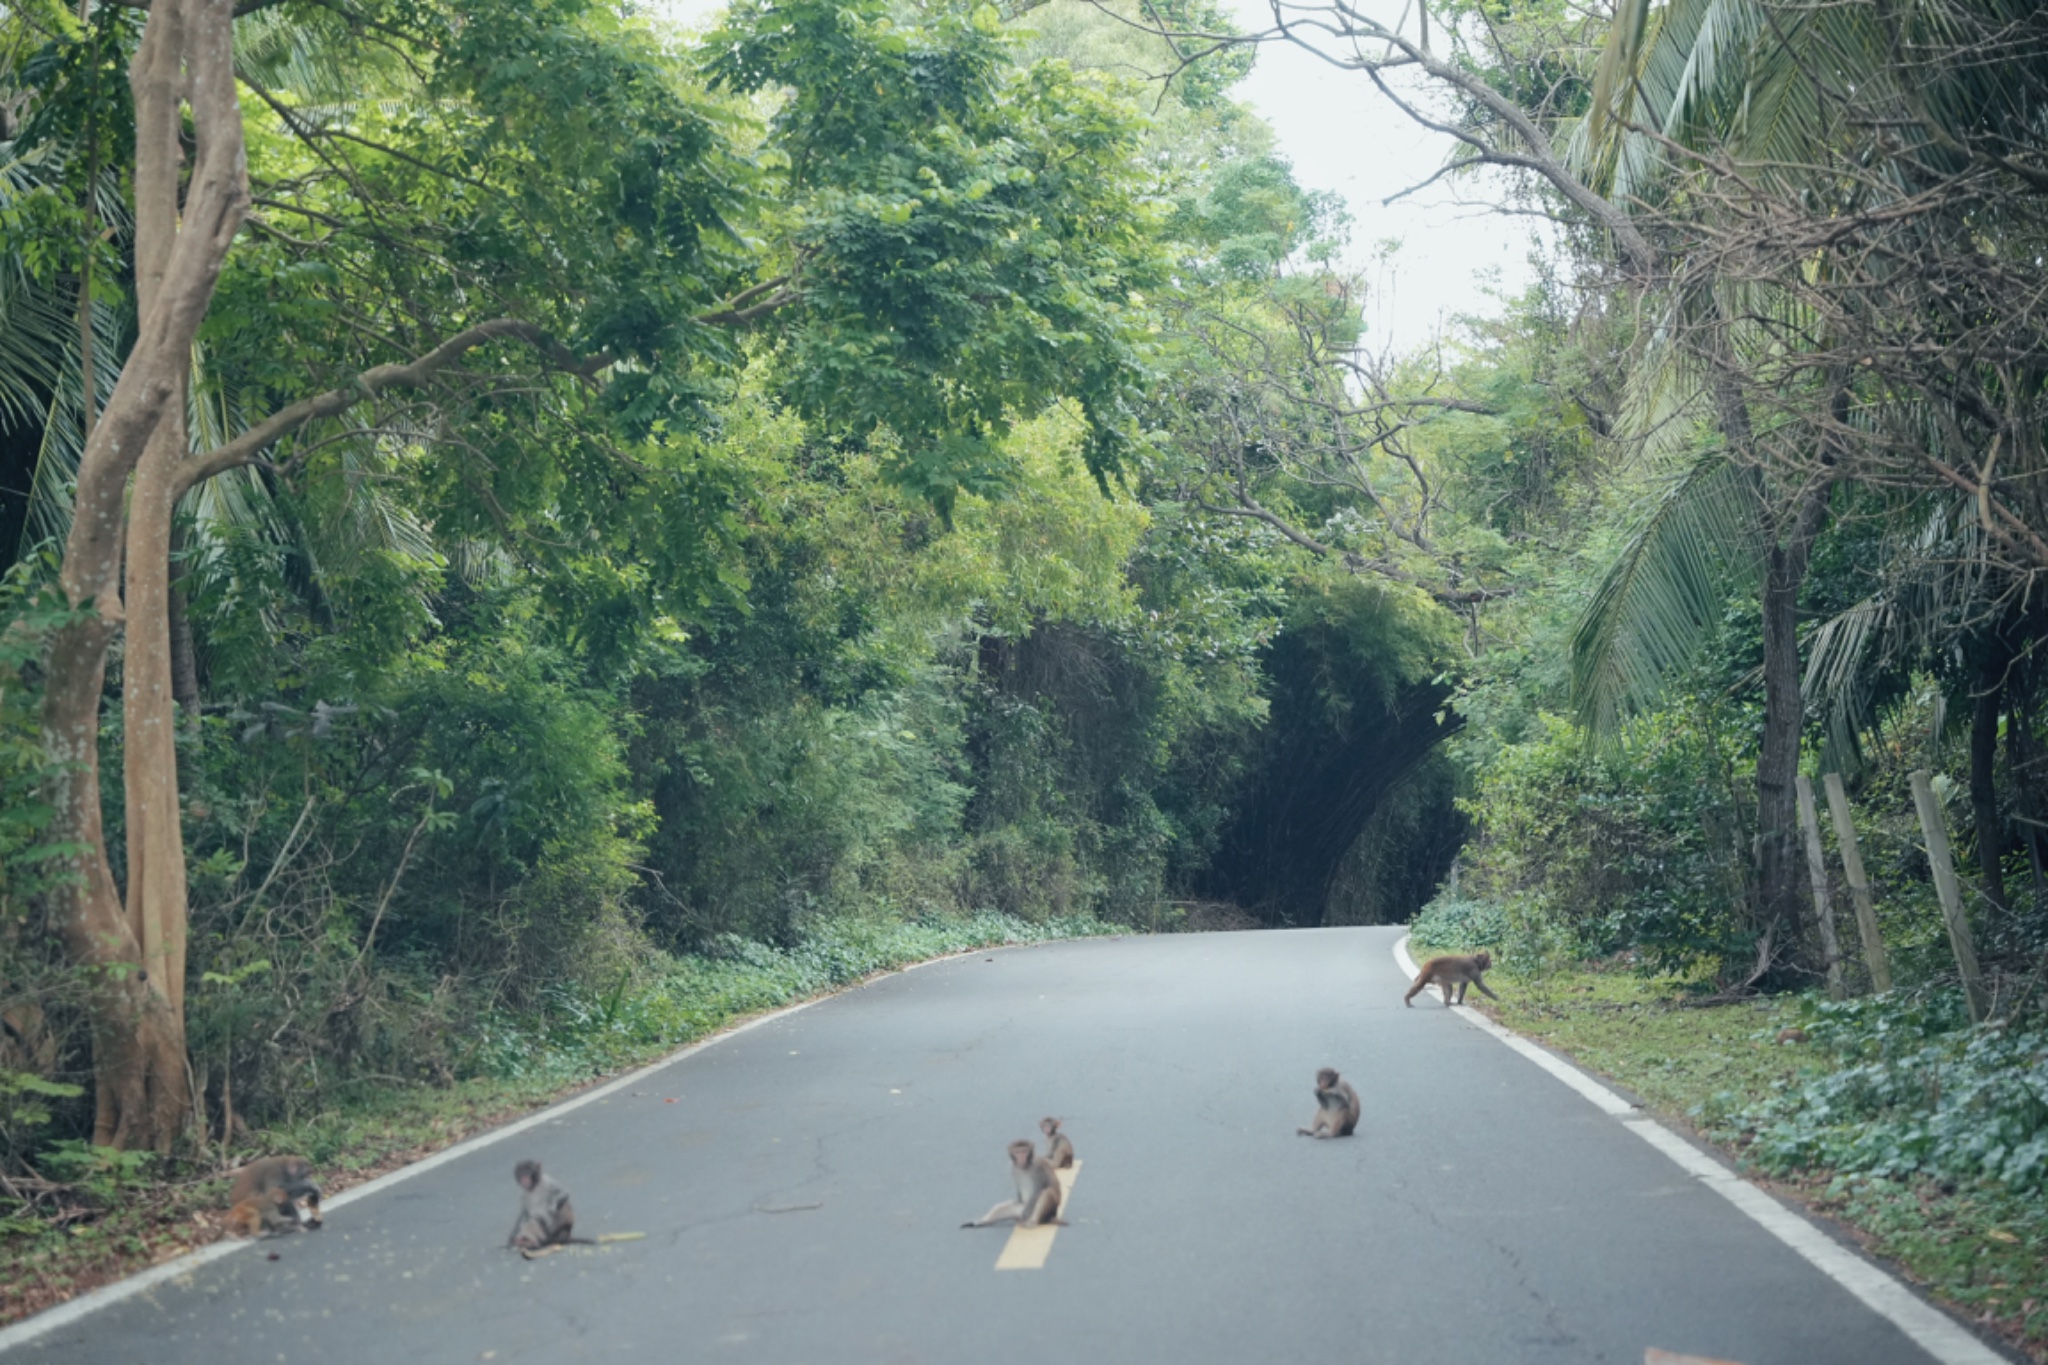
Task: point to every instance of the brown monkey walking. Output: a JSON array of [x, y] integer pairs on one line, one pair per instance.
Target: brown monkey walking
[[1336, 1107], [1448, 971], [546, 1219], [1059, 1150], [266, 1197], [1038, 1192]]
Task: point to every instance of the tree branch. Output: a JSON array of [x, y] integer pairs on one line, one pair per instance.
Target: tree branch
[[1346, 24], [245, 449]]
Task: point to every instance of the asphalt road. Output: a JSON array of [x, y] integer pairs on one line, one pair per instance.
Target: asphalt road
[[1484, 1212]]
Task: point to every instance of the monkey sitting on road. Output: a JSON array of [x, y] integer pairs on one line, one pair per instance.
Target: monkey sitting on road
[[1038, 1192], [546, 1219], [1336, 1107], [1448, 971], [1059, 1149], [266, 1195]]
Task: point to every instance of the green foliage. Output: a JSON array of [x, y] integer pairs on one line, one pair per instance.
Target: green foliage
[[1252, 216], [987, 717], [1625, 848], [967, 233], [1668, 589], [30, 863], [1913, 1092], [105, 1174], [25, 1106], [1454, 923]]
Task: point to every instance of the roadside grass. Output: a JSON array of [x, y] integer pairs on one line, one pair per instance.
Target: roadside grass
[[1719, 1071], [107, 1214]]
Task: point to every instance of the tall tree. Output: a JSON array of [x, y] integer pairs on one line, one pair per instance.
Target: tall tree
[[615, 260], [134, 953]]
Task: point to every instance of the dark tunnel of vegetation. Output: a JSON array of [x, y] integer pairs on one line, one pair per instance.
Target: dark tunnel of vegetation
[[1345, 814]]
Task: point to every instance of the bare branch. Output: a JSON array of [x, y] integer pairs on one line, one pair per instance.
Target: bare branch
[[247, 447]]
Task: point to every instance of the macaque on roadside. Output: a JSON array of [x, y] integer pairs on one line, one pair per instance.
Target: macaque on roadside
[[1038, 1192], [1059, 1149], [1336, 1107], [267, 1197], [264, 1215], [1448, 971], [546, 1219]]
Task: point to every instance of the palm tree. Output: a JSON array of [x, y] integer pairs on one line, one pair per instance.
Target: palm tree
[[1797, 119]]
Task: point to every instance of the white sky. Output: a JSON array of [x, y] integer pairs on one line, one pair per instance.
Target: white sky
[[1342, 135]]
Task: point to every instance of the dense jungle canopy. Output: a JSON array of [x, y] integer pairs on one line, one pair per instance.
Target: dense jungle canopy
[[504, 501]]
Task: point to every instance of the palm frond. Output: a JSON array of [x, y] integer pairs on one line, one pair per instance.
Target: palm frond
[[1937, 584], [1697, 543], [43, 392], [1837, 682], [1614, 80]]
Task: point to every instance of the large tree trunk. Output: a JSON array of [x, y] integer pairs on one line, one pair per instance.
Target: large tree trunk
[[1779, 861], [138, 1043], [1777, 763], [135, 961], [1780, 864], [156, 841]]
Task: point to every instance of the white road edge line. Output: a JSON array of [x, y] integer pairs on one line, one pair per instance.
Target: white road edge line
[[1928, 1327], [70, 1311]]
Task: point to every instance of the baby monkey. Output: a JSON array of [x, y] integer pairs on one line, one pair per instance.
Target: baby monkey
[[1059, 1149], [1336, 1107], [546, 1220], [265, 1198], [1038, 1192], [1450, 971]]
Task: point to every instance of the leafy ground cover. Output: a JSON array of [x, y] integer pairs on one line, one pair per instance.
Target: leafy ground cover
[[97, 1214], [1924, 1136]]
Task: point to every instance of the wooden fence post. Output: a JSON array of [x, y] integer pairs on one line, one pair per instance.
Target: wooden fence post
[[1945, 885], [1859, 885], [1817, 872]]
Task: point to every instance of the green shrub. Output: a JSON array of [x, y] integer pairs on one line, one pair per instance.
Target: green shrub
[[1452, 923], [1591, 851], [1916, 1091]]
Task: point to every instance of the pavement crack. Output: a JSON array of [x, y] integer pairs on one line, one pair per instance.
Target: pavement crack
[[1557, 1334], [787, 1198]]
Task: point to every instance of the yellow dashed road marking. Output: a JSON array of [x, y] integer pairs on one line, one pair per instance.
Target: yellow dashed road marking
[[1028, 1247]]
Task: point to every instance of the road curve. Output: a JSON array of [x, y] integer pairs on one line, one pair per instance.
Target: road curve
[[801, 1184]]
